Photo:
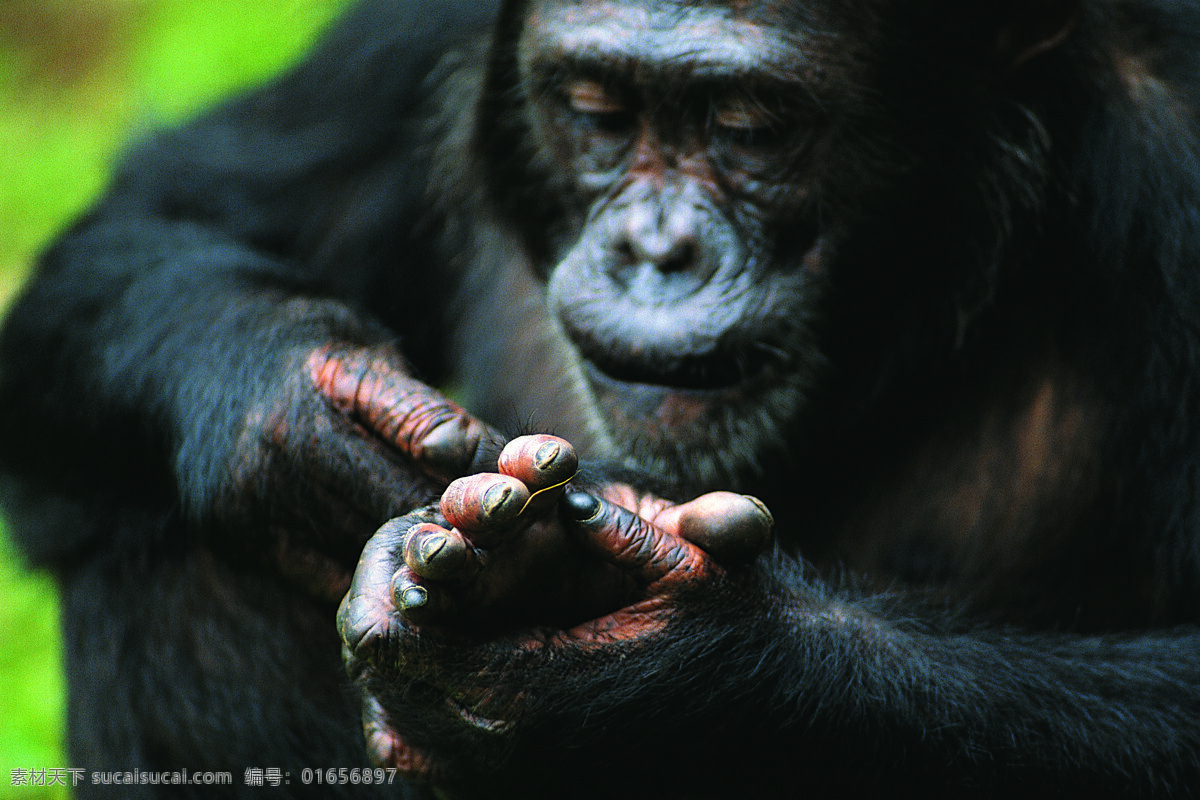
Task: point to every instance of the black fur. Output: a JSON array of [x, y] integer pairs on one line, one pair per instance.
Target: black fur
[[1021, 292]]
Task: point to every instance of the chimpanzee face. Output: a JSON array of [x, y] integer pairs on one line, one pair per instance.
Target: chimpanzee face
[[729, 191], [689, 139]]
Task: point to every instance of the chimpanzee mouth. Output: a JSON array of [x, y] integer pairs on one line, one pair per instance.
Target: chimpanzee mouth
[[721, 369]]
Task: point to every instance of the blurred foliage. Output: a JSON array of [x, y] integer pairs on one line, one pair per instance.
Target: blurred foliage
[[31, 683], [78, 78]]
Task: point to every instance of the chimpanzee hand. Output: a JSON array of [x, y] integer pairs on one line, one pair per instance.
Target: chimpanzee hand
[[351, 441], [459, 622]]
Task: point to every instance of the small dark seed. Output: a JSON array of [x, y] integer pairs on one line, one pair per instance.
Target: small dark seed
[[581, 506]]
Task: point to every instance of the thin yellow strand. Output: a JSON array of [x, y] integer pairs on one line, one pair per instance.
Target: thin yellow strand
[[558, 485]]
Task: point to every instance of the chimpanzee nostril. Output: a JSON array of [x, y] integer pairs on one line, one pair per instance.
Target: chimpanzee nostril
[[656, 271], [681, 258], [657, 243], [657, 249]]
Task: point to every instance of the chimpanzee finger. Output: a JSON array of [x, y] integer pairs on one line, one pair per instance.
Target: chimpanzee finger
[[484, 506], [418, 601], [433, 552], [733, 528], [544, 463], [365, 616], [630, 542], [436, 434]]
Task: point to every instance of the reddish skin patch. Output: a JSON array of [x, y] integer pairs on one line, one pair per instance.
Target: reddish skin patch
[[645, 618], [681, 411], [317, 573], [632, 543], [546, 464], [636, 537], [387, 748], [437, 434], [653, 555], [484, 507], [644, 505]]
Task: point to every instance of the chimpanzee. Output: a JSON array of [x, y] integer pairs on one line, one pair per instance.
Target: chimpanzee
[[920, 277]]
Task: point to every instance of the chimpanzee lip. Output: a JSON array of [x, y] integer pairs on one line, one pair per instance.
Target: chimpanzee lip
[[717, 370]]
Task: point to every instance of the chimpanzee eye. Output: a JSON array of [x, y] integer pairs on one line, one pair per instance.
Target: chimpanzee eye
[[591, 103], [743, 122], [740, 113], [590, 97]]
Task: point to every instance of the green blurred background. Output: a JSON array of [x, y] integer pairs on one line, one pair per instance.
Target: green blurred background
[[78, 78]]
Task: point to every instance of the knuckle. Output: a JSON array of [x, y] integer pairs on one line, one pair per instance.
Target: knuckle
[[363, 628]]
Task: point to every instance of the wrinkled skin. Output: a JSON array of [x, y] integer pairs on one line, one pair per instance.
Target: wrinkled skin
[[370, 441], [924, 277], [499, 574]]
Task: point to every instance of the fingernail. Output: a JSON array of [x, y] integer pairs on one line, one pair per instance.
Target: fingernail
[[761, 506], [450, 445], [582, 506], [495, 498], [431, 546], [546, 454], [413, 597], [439, 556]]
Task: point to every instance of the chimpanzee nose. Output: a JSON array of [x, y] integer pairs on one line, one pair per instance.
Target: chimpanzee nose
[[659, 256], [660, 236], [665, 250]]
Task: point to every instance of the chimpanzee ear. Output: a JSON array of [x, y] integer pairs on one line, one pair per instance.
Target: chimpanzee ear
[[1032, 27]]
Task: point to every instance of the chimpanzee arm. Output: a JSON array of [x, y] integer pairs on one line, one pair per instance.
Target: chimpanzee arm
[[220, 334], [721, 680]]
